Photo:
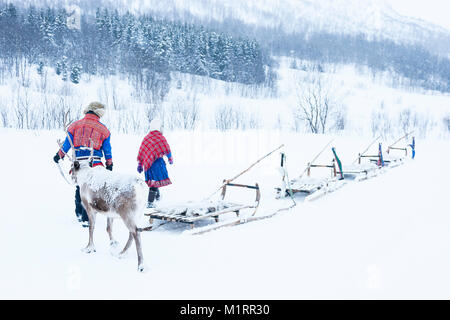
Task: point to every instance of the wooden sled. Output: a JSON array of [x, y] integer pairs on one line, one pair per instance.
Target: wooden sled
[[312, 188], [361, 170], [393, 160], [192, 212], [386, 160]]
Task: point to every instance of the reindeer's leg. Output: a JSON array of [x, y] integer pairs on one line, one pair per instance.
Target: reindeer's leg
[[91, 214], [113, 243], [137, 241], [134, 234], [127, 246]]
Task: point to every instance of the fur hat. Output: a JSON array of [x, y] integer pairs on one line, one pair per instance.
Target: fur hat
[[156, 124], [96, 107]]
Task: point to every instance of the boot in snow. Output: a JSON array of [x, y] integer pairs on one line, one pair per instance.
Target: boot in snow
[[152, 193]]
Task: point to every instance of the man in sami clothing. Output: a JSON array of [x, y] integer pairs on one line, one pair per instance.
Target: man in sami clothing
[[81, 133]]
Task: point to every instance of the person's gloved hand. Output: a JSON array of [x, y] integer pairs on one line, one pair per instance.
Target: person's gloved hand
[[56, 158], [139, 168], [109, 167]]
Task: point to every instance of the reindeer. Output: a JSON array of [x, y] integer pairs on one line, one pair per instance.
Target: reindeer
[[113, 195]]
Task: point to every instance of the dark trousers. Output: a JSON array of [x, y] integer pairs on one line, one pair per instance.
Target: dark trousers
[[79, 209]]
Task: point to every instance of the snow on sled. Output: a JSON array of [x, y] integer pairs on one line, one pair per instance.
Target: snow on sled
[[192, 212], [311, 187], [360, 172]]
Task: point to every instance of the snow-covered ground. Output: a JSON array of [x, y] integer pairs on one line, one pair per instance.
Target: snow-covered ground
[[387, 237]]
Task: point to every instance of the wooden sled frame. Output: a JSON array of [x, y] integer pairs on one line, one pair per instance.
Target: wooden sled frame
[[375, 159], [307, 188], [387, 161], [211, 211], [397, 148], [391, 147], [343, 172], [397, 161], [338, 173]]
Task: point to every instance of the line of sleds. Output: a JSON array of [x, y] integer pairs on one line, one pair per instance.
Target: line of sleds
[[315, 187], [365, 166]]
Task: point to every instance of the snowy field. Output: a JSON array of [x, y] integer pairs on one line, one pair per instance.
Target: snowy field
[[384, 238]]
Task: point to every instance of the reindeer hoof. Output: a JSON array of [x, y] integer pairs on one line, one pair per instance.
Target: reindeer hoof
[[122, 255], [114, 248], [89, 249], [142, 268], [114, 244]]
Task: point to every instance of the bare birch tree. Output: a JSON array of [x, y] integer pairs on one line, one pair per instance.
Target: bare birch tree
[[315, 101]]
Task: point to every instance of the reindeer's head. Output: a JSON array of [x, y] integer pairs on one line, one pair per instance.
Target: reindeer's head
[[76, 165], [74, 170]]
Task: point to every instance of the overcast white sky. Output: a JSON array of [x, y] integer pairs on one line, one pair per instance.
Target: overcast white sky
[[437, 11]]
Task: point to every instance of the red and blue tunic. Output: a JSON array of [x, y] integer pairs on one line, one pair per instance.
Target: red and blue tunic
[[153, 148], [81, 132]]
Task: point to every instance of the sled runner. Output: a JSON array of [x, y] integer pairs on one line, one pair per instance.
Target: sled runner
[[192, 212]]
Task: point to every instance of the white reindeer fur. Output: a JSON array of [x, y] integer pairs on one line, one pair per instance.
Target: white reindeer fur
[[116, 183], [113, 189]]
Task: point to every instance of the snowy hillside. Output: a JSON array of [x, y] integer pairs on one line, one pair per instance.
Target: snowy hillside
[[373, 18], [383, 238]]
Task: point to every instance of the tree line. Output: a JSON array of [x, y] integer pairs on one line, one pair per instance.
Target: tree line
[[418, 65], [110, 43]]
